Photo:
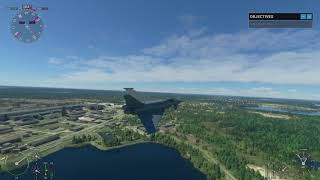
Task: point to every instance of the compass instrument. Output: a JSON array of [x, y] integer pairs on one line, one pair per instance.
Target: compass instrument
[[16, 164], [27, 26]]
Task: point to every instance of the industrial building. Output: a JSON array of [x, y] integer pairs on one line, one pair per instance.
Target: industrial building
[[4, 130], [3, 117], [24, 123], [30, 114], [7, 147], [76, 128], [44, 140], [9, 139], [74, 115]]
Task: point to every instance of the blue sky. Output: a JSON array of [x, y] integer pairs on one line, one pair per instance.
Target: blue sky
[[183, 46]]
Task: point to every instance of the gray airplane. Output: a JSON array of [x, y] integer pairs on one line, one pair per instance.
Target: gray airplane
[[148, 112]]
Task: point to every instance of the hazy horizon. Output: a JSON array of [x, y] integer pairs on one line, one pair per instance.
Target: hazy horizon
[[166, 46], [160, 92]]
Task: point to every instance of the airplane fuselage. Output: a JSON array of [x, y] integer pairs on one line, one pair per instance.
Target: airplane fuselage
[[148, 112], [156, 108]]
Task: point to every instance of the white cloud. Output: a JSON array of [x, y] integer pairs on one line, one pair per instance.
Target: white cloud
[[90, 46], [55, 61], [276, 57], [264, 91], [68, 62], [256, 92], [281, 68], [188, 20], [292, 90], [249, 42]]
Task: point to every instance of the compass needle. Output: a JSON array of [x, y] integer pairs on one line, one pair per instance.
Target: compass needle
[[17, 163]]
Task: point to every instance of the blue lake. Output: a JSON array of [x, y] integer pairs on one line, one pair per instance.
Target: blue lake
[[142, 161], [272, 109]]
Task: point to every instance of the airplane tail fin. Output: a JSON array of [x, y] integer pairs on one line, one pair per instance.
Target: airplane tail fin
[[131, 101]]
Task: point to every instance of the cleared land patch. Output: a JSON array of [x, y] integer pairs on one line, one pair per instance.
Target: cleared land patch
[[272, 115]]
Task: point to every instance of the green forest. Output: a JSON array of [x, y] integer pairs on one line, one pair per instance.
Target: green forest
[[237, 137]]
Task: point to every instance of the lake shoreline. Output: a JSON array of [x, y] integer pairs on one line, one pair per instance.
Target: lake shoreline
[[147, 153]]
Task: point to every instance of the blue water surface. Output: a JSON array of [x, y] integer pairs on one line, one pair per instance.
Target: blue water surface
[[145, 161]]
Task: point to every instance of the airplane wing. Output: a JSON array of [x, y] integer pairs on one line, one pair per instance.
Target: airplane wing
[[149, 121]]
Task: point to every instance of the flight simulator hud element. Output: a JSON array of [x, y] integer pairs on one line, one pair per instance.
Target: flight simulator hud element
[[27, 26], [280, 20]]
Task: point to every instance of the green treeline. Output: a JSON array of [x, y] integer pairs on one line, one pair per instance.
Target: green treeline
[[232, 134], [82, 139], [117, 136], [277, 137], [211, 169], [237, 164]]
